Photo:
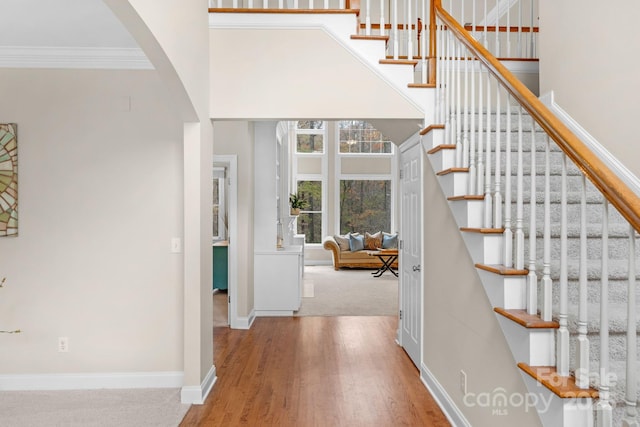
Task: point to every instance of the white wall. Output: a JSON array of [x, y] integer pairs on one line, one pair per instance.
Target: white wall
[[237, 138], [587, 58], [99, 200]]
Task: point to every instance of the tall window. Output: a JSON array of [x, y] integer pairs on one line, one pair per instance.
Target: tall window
[[360, 137], [365, 205], [310, 218], [310, 137]]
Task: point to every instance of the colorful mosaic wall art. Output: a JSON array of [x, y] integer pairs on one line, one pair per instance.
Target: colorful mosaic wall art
[[8, 179]]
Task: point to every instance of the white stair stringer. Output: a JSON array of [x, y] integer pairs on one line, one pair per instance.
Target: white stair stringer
[[340, 27]]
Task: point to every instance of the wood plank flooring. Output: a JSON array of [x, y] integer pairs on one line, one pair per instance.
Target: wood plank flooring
[[315, 371]]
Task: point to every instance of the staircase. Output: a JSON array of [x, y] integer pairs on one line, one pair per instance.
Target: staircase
[[522, 274]]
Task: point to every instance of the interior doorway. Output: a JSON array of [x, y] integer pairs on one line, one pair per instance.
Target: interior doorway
[[225, 207]]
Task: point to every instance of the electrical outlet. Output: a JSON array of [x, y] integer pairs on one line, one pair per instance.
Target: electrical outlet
[[463, 382], [176, 245], [63, 344]]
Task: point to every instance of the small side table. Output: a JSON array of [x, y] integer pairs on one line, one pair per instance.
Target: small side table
[[388, 257]]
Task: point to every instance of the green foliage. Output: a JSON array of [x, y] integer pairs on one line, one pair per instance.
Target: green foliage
[[365, 205], [297, 201]]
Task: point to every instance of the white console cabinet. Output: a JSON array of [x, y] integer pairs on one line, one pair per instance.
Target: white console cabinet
[[277, 275]]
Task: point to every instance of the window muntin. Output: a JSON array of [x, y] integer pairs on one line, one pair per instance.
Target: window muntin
[[359, 137], [310, 137]]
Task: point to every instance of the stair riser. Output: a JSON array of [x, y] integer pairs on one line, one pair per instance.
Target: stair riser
[[532, 346], [468, 213], [507, 292], [483, 248], [454, 184], [443, 159]]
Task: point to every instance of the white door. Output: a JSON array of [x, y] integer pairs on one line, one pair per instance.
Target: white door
[[411, 253]]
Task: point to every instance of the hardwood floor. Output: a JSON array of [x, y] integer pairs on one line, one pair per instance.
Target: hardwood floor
[[315, 371]]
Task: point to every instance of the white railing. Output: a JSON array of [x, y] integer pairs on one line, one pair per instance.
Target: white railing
[[473, 98]]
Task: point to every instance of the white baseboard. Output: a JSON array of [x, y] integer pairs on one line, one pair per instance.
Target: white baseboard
[[196, 395], [89, 381], [274, 313], [448, 407], [246, 322]]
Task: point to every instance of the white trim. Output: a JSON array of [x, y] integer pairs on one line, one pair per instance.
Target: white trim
[[274, 313], [195, 395], [232, 162], [89, 381], [246, 322], [611, 161], [74, 57], [442, 398]]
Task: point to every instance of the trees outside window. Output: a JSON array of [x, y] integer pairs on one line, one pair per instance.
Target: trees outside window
[[310, 137], [365, 205], [310, 218], [357, 136]]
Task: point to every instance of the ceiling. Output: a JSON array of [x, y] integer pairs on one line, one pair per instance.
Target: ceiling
[[65, 33]]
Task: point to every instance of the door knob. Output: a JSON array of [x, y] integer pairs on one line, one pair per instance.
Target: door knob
[[416, 268]]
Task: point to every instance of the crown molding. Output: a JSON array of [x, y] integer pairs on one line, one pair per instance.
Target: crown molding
[[74, 57]]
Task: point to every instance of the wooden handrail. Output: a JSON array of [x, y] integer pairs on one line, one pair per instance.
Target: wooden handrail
[[606, 181]]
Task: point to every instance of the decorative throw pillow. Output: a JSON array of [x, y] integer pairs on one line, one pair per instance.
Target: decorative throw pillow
[[342, 241], [373, 242], [356, 242], [389, 241]]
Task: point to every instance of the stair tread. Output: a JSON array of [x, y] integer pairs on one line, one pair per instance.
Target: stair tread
[[483, 230], [371, 37], [430, 128], [413, 62], [442, 147], [502, 270], [422, 85], [529, 321], [564, 387], [467, 197], [452, 170]]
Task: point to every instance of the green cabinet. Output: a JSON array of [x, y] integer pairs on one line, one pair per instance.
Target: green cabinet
[[220, 265]]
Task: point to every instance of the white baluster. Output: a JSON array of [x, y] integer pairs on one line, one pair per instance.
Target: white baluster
[[546, 267], [562, 344], [295, 4], [582, 357], [486, 24], [310, 4], [394, 25], [472, 132], [603, 407], [497, 47], [630, 417], [265, 4], [520, 30], [532, 277], [509, 30], [532, 52], [480, 180], [465, 111], [383, 31], [409, 32], [326, 4], [458, 127], [439, 68], [235, 4], [367, 19], [342, 5], [497, 193], [423, 40], [281, 4], [488, 206], [519, 243], [447, 89], [507, 234]]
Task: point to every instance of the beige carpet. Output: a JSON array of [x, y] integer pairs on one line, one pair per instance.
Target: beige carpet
[[348, 292], [92, 408]]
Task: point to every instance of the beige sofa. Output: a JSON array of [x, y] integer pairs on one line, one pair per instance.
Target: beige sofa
[[346, 258]]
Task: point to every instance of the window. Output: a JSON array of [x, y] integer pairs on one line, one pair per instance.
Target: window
[[310, 218], [219, 210], [356, 136], [310, 137], [365, 205]]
